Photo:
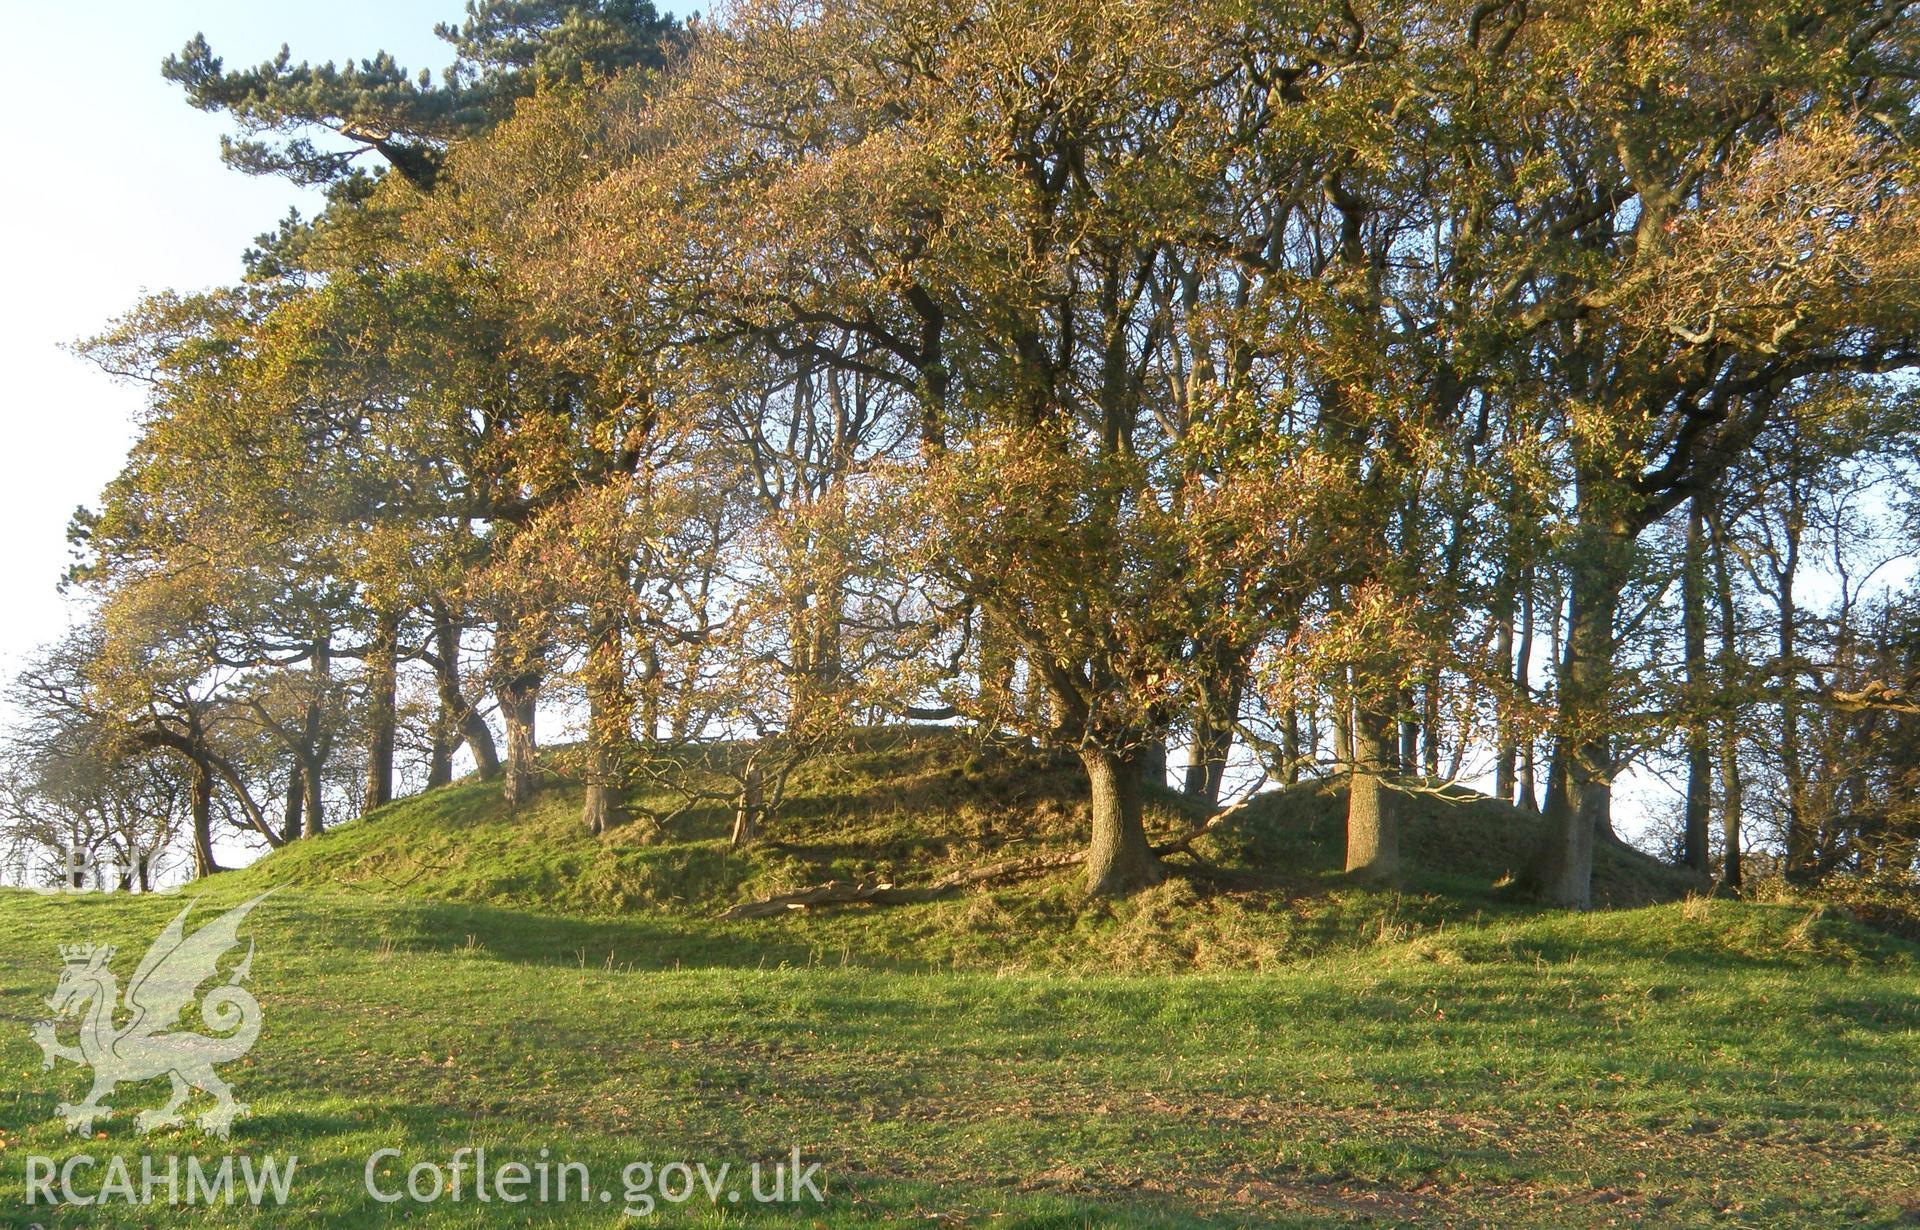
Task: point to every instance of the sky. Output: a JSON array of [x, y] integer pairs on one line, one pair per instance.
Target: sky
[[118, 190]]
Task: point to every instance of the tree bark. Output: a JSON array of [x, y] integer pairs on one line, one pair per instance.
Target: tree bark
[[292, 827], [1373, 831], [383, 671], [1430, 727], [479, 740], [1523, 691], [1506, 767], [517, 669], [518, 699], [456, 721], [609, 727], [1733, 793], [1732, 786], [600, 807], [1693, 602], [1207, 763], [1342, 728], [1289, 748], [1579, 781], [1213, 721], [315, 737], [445, 742], [312, 783], [747, 812], [1153, 763], [1408, 761], [1118, 860], [1802, 857], [202, 800]]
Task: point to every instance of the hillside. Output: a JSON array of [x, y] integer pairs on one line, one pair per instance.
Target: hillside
[[443, 974], [908, 806]]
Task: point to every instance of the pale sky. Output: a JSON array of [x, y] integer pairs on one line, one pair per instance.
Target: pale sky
[[118, 189]]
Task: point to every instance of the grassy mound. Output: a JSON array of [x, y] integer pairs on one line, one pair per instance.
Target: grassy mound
[[906, 806], [445, 973]]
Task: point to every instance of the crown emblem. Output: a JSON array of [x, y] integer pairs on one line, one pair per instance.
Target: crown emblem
[[85, 954]]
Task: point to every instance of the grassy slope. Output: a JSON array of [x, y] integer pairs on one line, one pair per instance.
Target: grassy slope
[[909, 805], [1436, 1057]]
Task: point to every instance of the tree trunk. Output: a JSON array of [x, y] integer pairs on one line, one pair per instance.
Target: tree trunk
[[455, 721], [311, 782], [1118, 860], [1732, 787], [315, 736], [1430, 722], [517, 670], [609, 727], [1523, 692], [1802, 857], [1733, 793], [1408, 761], [1207, 763], [479, 740], [1153, 763], [446, 741], [1213, 721], [518, 699], [999, 668], [1693, 588], [1579, 782], [1342, 727], [383, 669], [747, 813], [292, 827], [1373, 831], [1577, 797], [203, 860], [1290, 747], [600, 807], [1507, 765]]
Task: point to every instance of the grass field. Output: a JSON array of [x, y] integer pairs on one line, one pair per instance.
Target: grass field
[[1263, 1045]]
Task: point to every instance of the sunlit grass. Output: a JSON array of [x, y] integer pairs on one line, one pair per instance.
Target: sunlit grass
[[1262, 1044]]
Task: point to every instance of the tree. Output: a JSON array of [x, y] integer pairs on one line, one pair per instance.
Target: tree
[[1700, 247], [505, 50]]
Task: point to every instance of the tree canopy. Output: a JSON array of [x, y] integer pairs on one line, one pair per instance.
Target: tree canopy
[[1410, 394]]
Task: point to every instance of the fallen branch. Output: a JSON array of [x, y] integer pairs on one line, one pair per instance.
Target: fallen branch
[[885, 892], [1217, 821], [835, 892], [1013, 868]]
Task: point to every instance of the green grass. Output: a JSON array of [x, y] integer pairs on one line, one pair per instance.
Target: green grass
[[1263, 1045], [905, 806]]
